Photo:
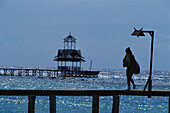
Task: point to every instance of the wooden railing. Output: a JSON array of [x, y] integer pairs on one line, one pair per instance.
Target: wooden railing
[[95, 93]]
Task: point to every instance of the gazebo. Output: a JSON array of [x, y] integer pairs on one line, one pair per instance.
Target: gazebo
[[69, 59]]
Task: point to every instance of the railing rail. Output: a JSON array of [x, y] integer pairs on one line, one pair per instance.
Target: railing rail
[[95, 93], [81, 92]]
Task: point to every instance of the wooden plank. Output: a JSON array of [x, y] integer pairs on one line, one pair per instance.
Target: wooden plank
[[80, 92]]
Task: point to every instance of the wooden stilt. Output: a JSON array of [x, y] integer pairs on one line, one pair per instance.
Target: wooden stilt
[[169, 104], [5, 72], [31, 104], [52, 99], [115, 108], [95, 107]]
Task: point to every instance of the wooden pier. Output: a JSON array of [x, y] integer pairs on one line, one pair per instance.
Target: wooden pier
[[51, 73], [95, 93], [29, 72]]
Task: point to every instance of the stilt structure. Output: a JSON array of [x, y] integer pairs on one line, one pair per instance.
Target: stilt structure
[[69, 60]]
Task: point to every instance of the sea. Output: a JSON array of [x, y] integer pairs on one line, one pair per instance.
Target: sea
[[107, 79]]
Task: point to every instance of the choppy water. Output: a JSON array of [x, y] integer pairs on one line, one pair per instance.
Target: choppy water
[[108, 79]]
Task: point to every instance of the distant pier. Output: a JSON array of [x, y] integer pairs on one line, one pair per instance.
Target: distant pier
[[69, 61], [51, 73]]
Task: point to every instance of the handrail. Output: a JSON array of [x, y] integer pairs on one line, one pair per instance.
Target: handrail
[[95, 93], [81, 92]]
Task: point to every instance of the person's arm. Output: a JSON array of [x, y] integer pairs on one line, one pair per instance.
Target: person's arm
[[124, 58], [133, 58]]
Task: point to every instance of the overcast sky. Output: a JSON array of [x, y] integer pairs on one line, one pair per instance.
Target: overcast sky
[[31, 31]]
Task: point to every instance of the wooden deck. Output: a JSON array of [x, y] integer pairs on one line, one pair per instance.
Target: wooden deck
[[95, 93]]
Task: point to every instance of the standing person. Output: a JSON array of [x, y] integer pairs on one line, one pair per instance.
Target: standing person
[[132, 67]]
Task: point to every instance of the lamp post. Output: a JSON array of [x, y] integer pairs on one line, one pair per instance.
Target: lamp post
[[141, 33]]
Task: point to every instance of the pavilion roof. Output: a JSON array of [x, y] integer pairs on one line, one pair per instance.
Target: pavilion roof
[[69, 55]]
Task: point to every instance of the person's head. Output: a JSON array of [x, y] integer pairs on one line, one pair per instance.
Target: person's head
[[128, 51]]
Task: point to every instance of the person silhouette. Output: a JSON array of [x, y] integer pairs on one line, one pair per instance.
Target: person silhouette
[[132, 67]]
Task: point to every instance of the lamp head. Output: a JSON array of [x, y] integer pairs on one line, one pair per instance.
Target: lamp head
[[138, 32]]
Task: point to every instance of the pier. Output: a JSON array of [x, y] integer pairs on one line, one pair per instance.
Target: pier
[[29, 72], [95, 93], [51, 73]]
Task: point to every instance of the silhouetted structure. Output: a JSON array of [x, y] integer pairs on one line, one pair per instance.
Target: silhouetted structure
[[141, 33], [69, 60], [68, 64]]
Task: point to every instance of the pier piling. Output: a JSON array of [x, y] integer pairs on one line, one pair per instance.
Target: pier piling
[[31, 104], [169, 104], [52, 99], [95, 108], [115, 107]]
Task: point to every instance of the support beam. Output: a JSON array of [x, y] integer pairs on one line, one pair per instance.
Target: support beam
[[52, 99], [80, 68], [72, 68], [169, 104], [95, 107], [31, 104], [115, 107], [5, 72], [12, 72], [76, 69], [65, 69]]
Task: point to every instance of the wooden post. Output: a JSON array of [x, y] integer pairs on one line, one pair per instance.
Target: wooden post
[[19, 72], [12, 72], [72, 68], [76, 69], [33, 72], [27, 72], [52, 99], [31, 104], [90, 65], [5, 72], [95, 107], [65, 69], [169, 104], [57, 73], [57, 64], [115, 108], [80, 69]]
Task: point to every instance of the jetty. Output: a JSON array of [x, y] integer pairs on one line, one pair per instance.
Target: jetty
[[95, 93], [50, 73], [69, 60]]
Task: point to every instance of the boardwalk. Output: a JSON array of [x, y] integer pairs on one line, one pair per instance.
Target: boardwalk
[[28, 72], [51, 73], [95, 93]]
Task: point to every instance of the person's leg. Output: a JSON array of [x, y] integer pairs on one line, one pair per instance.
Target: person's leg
[[131, 74], [134, 86], [128, 77]]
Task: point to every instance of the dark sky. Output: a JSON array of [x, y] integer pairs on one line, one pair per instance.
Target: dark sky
[[31, 31]]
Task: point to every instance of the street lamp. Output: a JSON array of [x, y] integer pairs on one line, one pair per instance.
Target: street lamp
[[141, 33]]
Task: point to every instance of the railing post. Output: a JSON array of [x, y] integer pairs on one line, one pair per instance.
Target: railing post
[[31, 104], [95, 106], [115, 108], [52, 99], [169, 104]]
